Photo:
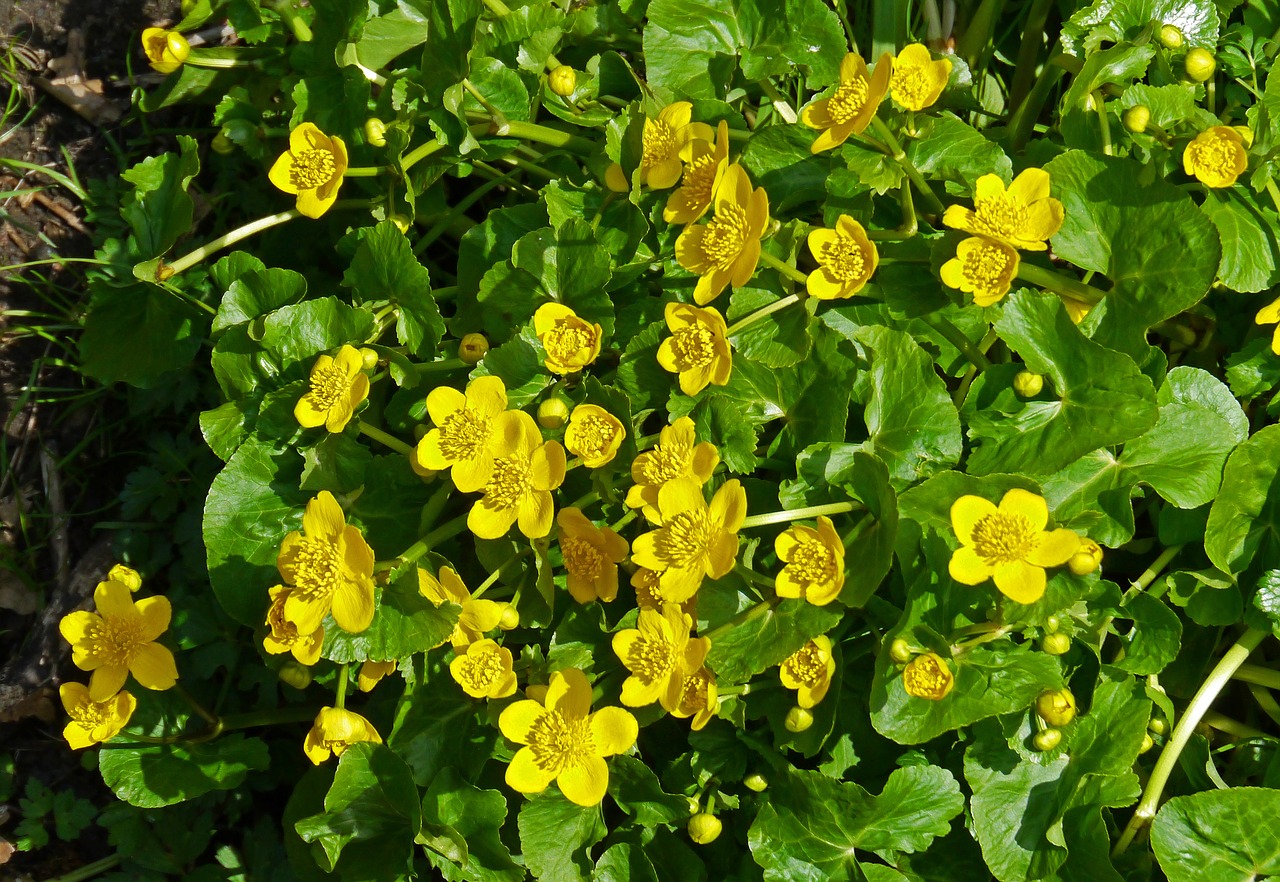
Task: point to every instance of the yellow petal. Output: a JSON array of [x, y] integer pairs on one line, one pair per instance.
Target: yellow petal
[[585, 783], [156, 613], [1030, 506], [470, 475], [487, 396], [1269, 313], [729, 505], [524, 775], [280, 176], [570, 693], [353, 607], [323, 517], [965, 514], [518, 719], [313, 205], [488, 521], [1054, 549], [967, 568], [107, 680], [1020, 581], [308, 415], [115, 600], [443, 402], [1031, 185], [74, 627]]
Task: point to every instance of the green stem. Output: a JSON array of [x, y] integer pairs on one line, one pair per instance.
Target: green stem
[[1258, 675], [760, 313], [932, 202], [1224, 723], [384, 439], [1023, 121], [484, 102], [195, 59], [253, 719], [956, 338], [88, 871], [1100, 105], [497, 7], [196, 706], [446, 364], [340, 699], [1059, 284], [367, 171], [1204, 697], [624, 520], [751, 613], [1157, 567], [527, 131], [795, 514], [1032, 33], [783, 267], [1267, 702], [445, 531], [909, 226], [191, 258], [1274, 192], [419, 153], [460, 208], [493, 577]]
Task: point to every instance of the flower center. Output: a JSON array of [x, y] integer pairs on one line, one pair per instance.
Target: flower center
[[559, 743], [693, 693], [312, 168], [808, 665], [726, 235], [844, 259], [684, 539], [665, 463], [911, 84], [509, 483], [651, 658], [812, 562], [848, 100], [985, 266], [924, 677], [648, 592], [1000, 216], [1000, 538], [116, 640], [659, 142], [281, 628], [592, 436], [463, 435], [92, 714], [327, 386], [317, 569], [693, 347], [482, 669], [580, 557], [1217, 156], [699, 178], [566, 339]]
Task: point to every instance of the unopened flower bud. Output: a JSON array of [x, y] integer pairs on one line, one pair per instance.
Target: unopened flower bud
[[295, 674], [1055, 644], [563, 80], [1136, 118], [1057, 707], [223, 145], [755, 781], [799, 719], [616, 179], [472, 348], [704, 828], [402, 222], [553, 413], [1052, 624], [126, 576], [166, 50], [375, 132], [1147, 744], [1027, 384], [1047, 739], [900, 651], [368, 358], [1157, 725], [1200, 65], [1170, 37], [1087, 559], [510, 618]]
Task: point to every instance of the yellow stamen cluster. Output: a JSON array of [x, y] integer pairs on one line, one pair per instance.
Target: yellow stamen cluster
[[928, 676]]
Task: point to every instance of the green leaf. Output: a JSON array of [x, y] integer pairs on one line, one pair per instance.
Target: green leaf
[[639, 375], [811, 826], [950, 149], [1169, 105], [1114, 21], [780, 339], [156, 775], [336, 463], [385, 268], [437, 728], [1102, 397], [476, 816], [1244, 522], [137, 334], [391, 506], [158, 209], [1218, 834], [404, 623], [1210, 597], [636, 789], [258, 292], [1092, 497], [450, 35], [570, 267], [298, 332], [555, 835], [929, 504], [518, 363], [778, 158], [385, 37], [1254, 369], [624, 862], [1154, 639], [1250, 254], [766, 638]]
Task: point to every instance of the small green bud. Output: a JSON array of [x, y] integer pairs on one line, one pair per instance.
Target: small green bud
[[1047, 739], [295, 674], [1170, 37], [553, 413], [375, 132], [900, 651], [368, 358], [563, 80], [1147, 744], [1158, 725], [1136, 118], [1057, 707], [1055, 644], [1051, 624], [755, 781], [472, 348], [510, 618], [1200, 64], [222, 144], [1027, 384], [1087, 559], [799, 719], [704, 828]]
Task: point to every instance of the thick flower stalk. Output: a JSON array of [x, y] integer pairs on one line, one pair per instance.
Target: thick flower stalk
[[846, 259], [464, 425], [928, 676], [814, 562], [330, 567], [477, 617], [660, 654], [698, 348], [284, 636], [982, 267], [850, 109], [119, 640], [1216, 156], [563, 741], [337, 386], [808, 670], [312, 168], [591, 556], [93, 722], [694, 540], [726, 250], [664, 139], [525, 471], [1008, 543], [334, 730], [678, 454], [484, 670], [1024, 216], [917, 79], [594, 435], [571, 342], [704, 166]]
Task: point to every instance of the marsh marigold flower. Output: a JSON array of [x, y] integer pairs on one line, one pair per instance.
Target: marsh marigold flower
[[563, 741], [166, 50], [1008, 543], [312, 168], [809, 670], [119, 640], [371, 673], [330, 567], [477, 616], [694, 540], [594, 435], [591, 555], [917, 79], [93, 722], [338, 385], [850, 109], [334, 730], [846, 259], [571, 343], [284, 636], [678, 454], [648, 587], [659, 653], [663, 140], [928, 676], [698, 348], [464, 425], [126, 576], [726, 250], [1269, 315], [525, 471], [699, 699], [483, 670], [1023, 216], [705, 163], [814, 562], [1216, 156], [982, 267]]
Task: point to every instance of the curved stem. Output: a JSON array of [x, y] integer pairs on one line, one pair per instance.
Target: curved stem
[[932, 202], [760, 313], [191, 258], [366, 171], [340, 699], [1059, 284], [493, 577], [783, 267], [384, 439], [956, 338], [795, 514], [1157, 567], [88, 871], [1257, 675], [541, 134]]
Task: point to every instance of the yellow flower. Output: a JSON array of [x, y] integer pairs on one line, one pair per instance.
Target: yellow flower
[[726, 250], [917, 79], [334, 730], [1216, 157], [119, 640], [648, 586], [563, 741], [1008, 543], [1023, 216], [571, 342], [850, 109], [1269, 315], [699, 698], [483, 670], [330, 567], [525, 471], [695, 540], [663, 140], [809, 670], [464, 427], [477, 617], [126, 576], [93, 722], [814, 562], [659, 653], [705, 163], [928, 676], [284, 637], [312, 168], [591, 555], [594, 435], [338, 385], [983, 267], [697, 349], [678, 454], [846, 259], [371, 672], [165, 50]]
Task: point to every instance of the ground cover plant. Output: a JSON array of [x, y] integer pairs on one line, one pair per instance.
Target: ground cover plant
[[689, 439]]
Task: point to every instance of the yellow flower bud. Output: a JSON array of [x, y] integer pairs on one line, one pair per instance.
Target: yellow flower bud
[[1047, 740], [295, 674], [222, 144], [1200, 64], [166, 50], [1170, 37], [1051, 624], [375, 132], [1158, 725], [704, 828], [798, 719], [402, 222], [563, 80], [126, 576], [900, 651], [1087, 559], [553, 413], [755, 781], [616, 179], [1057, 707], [368, 358], [1027, 384], [1147, 744], [1055, 644], [1136, 118], [472, 348], [510, 618]]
